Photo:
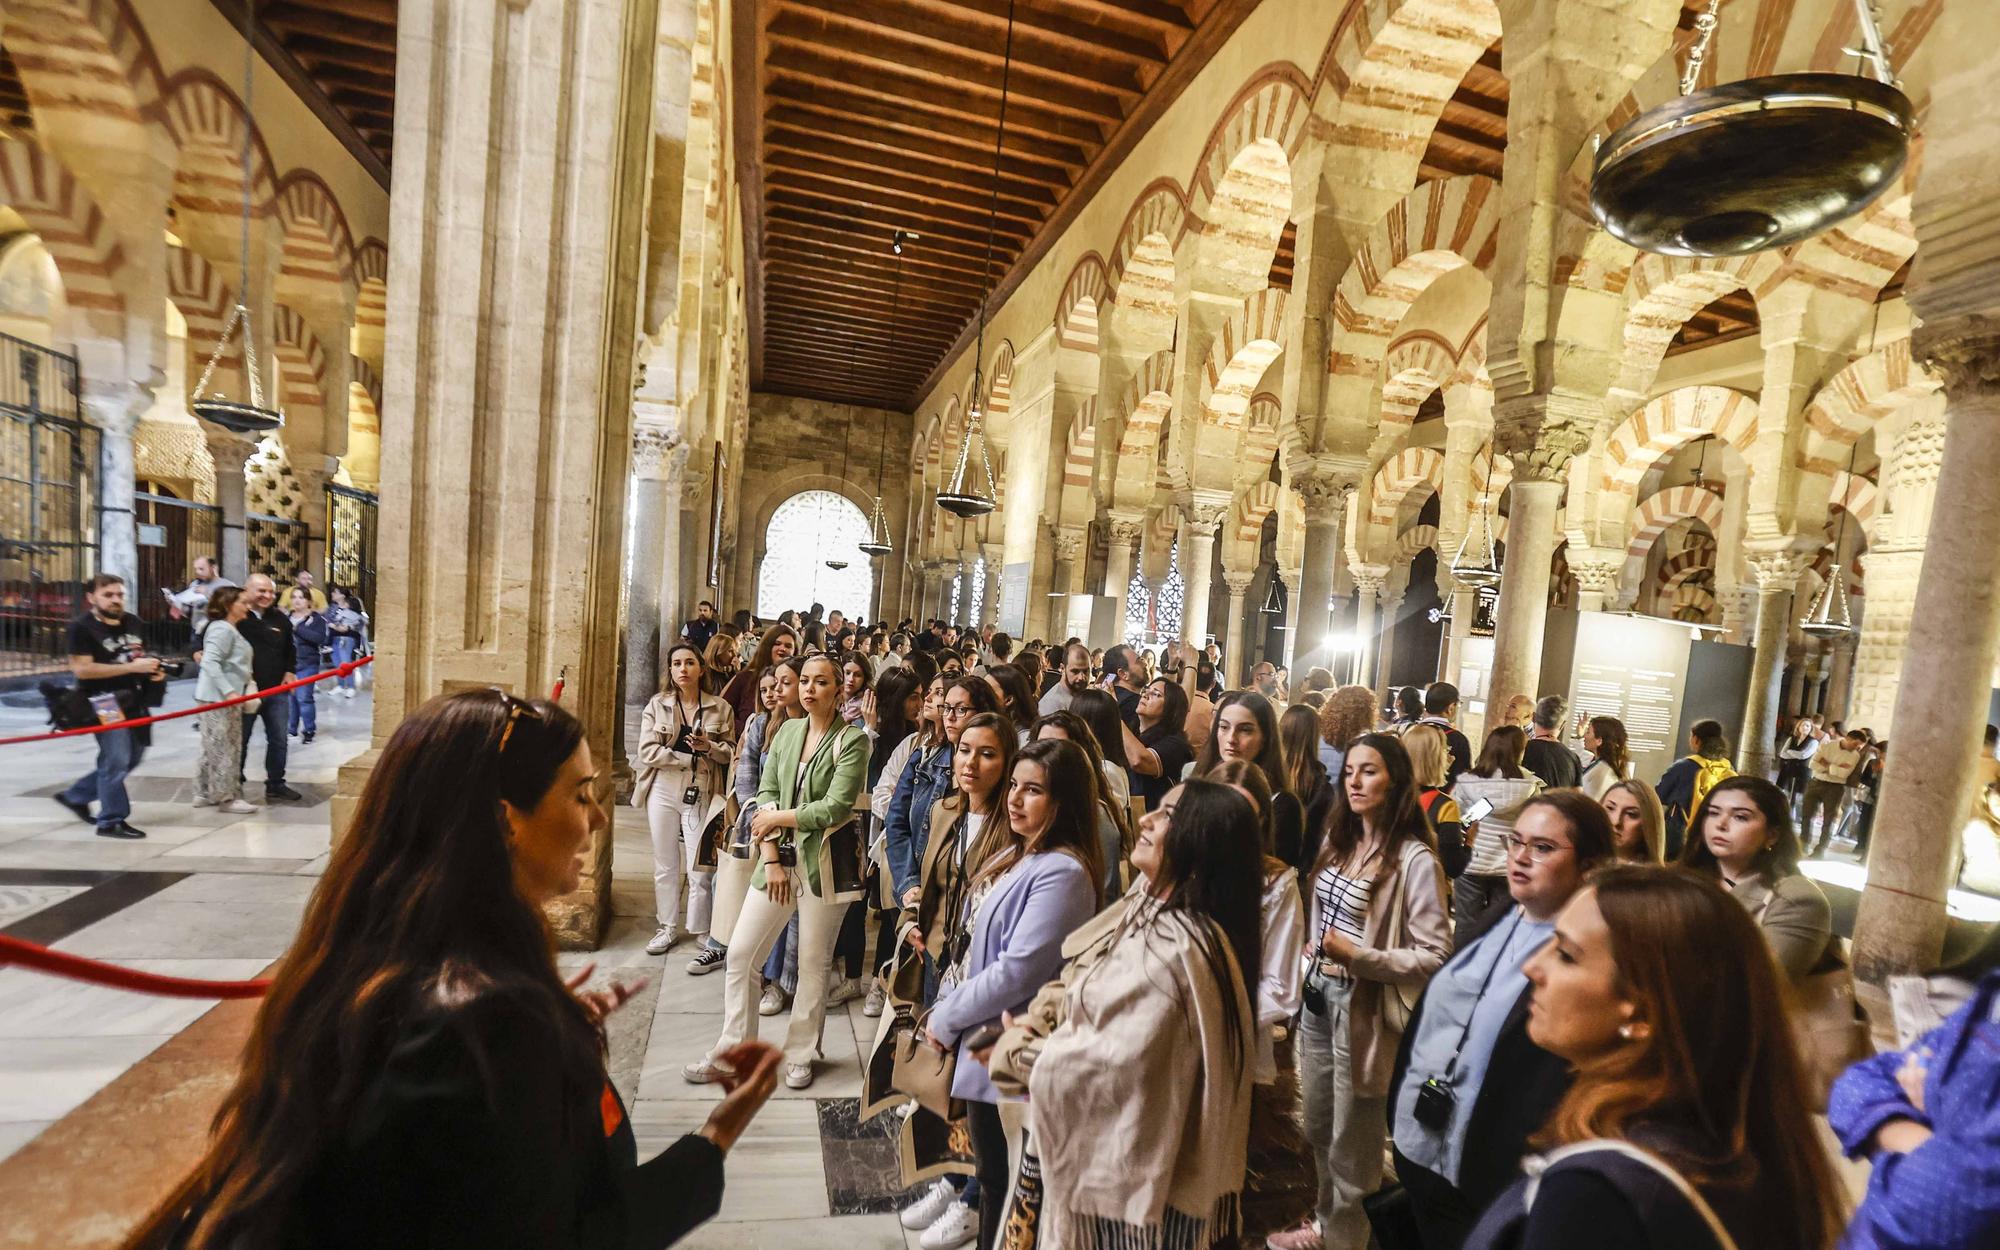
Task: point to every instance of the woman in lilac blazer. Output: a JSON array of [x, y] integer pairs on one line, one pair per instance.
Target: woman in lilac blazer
[[1033, 882]]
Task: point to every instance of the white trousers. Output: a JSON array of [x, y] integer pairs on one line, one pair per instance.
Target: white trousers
[[757, 928], [676, 845]]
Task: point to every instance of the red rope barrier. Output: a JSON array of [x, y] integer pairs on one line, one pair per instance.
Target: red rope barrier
[[338, 670], [96, 972]]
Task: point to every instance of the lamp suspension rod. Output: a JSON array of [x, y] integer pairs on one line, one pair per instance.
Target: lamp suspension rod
[[993, 201]]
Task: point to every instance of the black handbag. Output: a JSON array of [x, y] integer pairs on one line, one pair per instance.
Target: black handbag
[[1393, 1218]]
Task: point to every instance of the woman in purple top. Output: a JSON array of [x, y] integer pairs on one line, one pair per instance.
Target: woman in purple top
[[1036, 882]]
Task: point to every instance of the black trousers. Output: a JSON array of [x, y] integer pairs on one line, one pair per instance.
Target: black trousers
[[1444, 1217], [989, 1156]]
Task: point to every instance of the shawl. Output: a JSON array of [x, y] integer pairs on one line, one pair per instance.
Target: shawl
[[1158, 1172]]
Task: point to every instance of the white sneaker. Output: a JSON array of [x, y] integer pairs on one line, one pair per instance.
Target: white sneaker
[[236, 807], [774, 1000], [878, 998], [705, 1072], [664, 938], [798, 1075], [956, 1227], [843, 991], [925, 1211], [204, 802]]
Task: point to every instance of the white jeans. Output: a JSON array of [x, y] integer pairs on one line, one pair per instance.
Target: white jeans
[[1346, 1129], [676, 846], [757, 928]]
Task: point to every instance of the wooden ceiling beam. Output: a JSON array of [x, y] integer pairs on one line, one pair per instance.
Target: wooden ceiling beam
[[1157, 16], [911, 167], [811, 303], [831, 391], [314, 49], [901, 145], [908, 330], [335, 76], [1469, 136], [935, 93], [833, 100], [314, 20], [283, 58], [928, 254], [861, 288], [847, 196], [381, 12], [912, 325], [855, 258], [800, 339], [1146, 52]]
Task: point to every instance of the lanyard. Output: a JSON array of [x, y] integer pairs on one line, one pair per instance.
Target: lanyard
[[1485, 981]]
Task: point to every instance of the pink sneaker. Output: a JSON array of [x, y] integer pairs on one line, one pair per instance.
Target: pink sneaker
[[1304, 1237]]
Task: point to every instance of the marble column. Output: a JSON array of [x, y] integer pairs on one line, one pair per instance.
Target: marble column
[[1840, 680], [1522, 615], [658, 456], [1392, 608], [231, 452], [1777, 573], [1368, 582], [1234, 675], [504, 471], [113, 410], [1942, 701], [1895, 563], [1797, 681], [1122, 550], [1197, 570], [1325, 498]]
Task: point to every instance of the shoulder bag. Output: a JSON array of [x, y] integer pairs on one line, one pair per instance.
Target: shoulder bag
[[1537, 1166], [923, 1070]]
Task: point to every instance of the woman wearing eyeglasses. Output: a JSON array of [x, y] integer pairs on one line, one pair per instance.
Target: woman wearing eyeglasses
[[1459, 1137], [420, 1074]]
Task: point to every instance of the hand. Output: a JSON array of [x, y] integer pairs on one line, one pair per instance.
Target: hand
[[756, 1067], [1336, 946], [1900, 1136], [868, 713], [698, 743], [930, 1035], [1916, 1067], [916, 939], [777, 883], [601, 1003], [144, 664], [911, 895], [764, 822]]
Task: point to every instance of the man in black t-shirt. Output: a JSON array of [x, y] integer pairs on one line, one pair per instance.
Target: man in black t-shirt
[[272, 663], [1128, 675], [107, 655], [1546, 756], [702, 628]]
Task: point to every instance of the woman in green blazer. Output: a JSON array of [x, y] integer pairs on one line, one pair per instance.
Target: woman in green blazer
[[808, 848]]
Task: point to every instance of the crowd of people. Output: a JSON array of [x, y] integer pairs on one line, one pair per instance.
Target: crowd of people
[[1142, 936], [247, 639]]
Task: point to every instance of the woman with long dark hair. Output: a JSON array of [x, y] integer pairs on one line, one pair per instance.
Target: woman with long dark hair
[[1610, 757], [419, 1073], [775, 647], [1742, 836], [1688, 1117], [1099, 710], [1497, 778], [1159, 752], [855, 676], [1245, 729], [685, 746], [1375, 931], [1138, 1063], [1017, 695], [1306, 777], [891, 713], [1037, 880], [1113, 828]]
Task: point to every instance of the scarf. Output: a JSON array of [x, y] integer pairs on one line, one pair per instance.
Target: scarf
[[1163, 1171]]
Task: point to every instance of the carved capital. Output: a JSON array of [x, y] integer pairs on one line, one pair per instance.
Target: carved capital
[[1369, 578], [1238, 583], [1204, 518], [114, 408], [1596, 572], [229, 451], [1323, 495], [1123, 532], [1543, 453], [656, 452], [1068, 544], [1963, 351], [1775, 570]]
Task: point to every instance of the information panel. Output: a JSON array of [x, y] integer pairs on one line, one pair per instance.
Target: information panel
[[1013, 615], [1633, 668]]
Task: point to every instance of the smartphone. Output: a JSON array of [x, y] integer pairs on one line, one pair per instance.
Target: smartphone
[[983, 1036], [1478, 809]]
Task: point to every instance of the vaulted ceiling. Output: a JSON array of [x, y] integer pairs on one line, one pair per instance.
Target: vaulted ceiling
[[339, 56], [862, 117]]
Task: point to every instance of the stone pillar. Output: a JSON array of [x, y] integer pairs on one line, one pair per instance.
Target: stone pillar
[[1464, 602], [504, 472], [1777, 572], [1798, 680], [1392, 608], [1197, 569], [658, 456], [1234, 675], [1324, 496], [1596, 573], [1122, 550], [1942, 701], [990, 608], [1893, 565], [313, 512], [113, 410], [1739, 612], [1840, 680], [1368, 581], [231, 452], [1519, 622]]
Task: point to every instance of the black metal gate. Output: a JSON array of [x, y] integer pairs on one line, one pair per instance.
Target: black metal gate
[[173, 533], [277, 546], [48, 505], [350, 541]]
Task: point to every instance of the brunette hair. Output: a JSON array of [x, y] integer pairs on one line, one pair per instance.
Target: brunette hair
[[1652, 819], [723, 651], [891, 693], [1072, 783], [1298, 744], [1589, 828], [221, 599], [1174, 718], [1717, 1058], [1010, 744], [859, 661], [1075, 730], [418, 908], [796, 663], [1611, 744], [1403, 817], [1709, 740], [1249, 777], [1501, 756], [980, 692], [1348, 713], [1019, 692], [1410, 703], [1270, 756], [760, 659], [1779, 859], [667, 668], [1209, 871], [1099, 711]]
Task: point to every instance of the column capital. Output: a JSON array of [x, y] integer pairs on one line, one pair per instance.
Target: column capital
[[1596, 569], [113, 407], [1204, 517], [228, 450], [1238, 582], [1369, 578], [1776, 569], [658, 454], [1963, 351], [1125, 530], [1068, 543], [1323, 493], [1540, 452]]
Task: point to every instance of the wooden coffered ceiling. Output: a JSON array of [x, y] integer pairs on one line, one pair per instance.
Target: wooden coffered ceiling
[[339, 56], [857, 118]]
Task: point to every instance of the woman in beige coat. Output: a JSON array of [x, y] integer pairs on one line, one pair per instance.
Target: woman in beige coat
[[686, 738]]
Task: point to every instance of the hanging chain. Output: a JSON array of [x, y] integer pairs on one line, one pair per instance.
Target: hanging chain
[[1704, 31], [1871, 50]]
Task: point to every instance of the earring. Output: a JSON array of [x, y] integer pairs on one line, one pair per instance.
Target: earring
[[1632, 1031]]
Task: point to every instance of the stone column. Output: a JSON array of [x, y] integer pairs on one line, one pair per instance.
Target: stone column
[[1840, 680], [312, 510], [1519, 622], [113, 410], [1392, 607], [504, 471], [1234, 675], [1798, 680], [1066, 582], [1777, 572], [1324, 496], [1122, 550], [1368, 581], [231, 452], [1893, 565], [1941, 704], [1739, 614], [1197, 570], [990, 609]]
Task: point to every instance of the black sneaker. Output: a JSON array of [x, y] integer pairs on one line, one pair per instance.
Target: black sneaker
[[307, 736], [708, 959], [79, 810], [120, 830], [281, 791]]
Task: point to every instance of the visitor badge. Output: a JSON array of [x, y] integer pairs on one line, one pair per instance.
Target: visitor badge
[[107, 709]]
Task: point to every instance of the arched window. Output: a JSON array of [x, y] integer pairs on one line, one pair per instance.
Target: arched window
[[1148, 619], [805, 532], [957, 588], [978, 591]]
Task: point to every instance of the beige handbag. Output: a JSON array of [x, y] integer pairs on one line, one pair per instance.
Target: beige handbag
[[921, 1069], [1831, 1030]]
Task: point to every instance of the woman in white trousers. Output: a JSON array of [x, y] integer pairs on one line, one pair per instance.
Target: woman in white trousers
[[685, 740]]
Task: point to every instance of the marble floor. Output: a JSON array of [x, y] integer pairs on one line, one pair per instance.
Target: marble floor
[[215, 896]]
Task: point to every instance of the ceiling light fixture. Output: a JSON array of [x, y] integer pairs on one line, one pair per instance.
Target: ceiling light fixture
[[878, 543], [1830, 617], [1480, 568]]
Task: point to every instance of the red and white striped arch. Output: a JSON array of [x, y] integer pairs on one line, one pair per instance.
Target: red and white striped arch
[[1668, 421], [1443, 225]]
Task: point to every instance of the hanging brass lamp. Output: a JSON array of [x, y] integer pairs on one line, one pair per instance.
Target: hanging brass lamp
[[1479, 566], [878, 543], [1756, 164], [1830, 617]]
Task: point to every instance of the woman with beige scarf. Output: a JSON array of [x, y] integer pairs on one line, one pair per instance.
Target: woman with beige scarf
[[1138, 1063]]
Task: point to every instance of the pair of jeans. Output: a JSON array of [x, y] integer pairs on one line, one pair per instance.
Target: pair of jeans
[[343, 651], [1344, 1127], [989, 1156], [274, 714], [305, 713], [118, 753], [1823, 798]]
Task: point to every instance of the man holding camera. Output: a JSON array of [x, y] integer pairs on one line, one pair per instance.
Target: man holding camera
[[272, 658], [107, 656]]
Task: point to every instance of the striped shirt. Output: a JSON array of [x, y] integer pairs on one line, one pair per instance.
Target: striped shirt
[[1343, 905]]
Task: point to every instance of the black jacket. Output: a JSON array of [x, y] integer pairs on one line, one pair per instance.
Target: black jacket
[[1522, 1087], [272, 653]]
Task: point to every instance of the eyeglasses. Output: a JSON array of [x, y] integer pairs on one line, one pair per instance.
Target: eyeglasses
[[517, 707], [1537, 852], [955, 710]]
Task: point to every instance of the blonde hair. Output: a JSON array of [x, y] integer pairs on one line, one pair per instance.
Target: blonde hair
[[1430, 754], [1652, 817]]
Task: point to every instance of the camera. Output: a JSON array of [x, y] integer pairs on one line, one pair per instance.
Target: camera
[[1314, 997], [1435, 1103], [173, 668]]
